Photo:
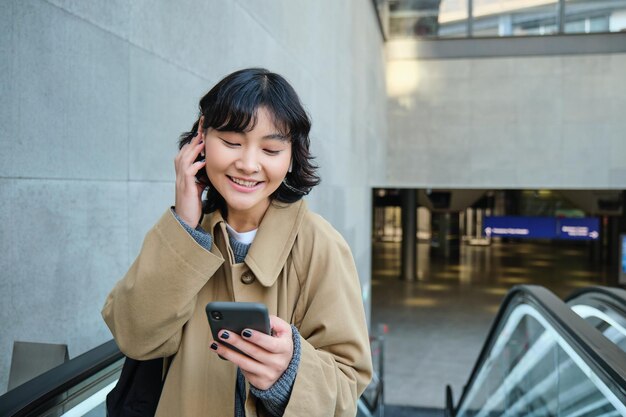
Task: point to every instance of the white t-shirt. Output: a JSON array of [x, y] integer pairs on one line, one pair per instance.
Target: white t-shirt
[[246, 237]]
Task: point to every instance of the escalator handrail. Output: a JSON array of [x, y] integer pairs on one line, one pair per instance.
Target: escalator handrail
[[615, 297], [27, 397], [602, 356]]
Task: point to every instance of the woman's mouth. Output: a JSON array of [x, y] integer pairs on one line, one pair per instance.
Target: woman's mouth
[[244, 183]]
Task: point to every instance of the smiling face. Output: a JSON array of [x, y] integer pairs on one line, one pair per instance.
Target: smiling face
[[247, 167]]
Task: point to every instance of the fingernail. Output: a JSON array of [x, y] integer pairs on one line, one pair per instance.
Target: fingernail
[[246, 333], [214, 346], [225, 335]]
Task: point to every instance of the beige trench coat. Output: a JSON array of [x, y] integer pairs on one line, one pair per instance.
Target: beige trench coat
[[298, 265]]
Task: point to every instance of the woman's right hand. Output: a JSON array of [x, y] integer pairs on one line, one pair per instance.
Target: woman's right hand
[[188, 189]]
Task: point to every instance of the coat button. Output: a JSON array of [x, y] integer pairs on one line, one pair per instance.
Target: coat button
[[247, 277]]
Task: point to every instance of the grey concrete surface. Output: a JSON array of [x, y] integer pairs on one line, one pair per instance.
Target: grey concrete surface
[[507, 122], [61, 242], [68, 96], [94, 96], [143, 213], [111, 15], [155, 123]]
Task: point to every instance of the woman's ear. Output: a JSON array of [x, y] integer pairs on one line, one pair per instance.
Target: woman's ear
[[200, 128]]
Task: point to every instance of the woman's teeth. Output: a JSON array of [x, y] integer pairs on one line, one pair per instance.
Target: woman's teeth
[[244, 183]]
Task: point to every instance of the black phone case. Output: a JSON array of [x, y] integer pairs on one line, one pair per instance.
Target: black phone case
[[235, 317], [201, 175]]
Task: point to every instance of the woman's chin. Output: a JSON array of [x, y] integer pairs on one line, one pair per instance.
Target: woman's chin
[[244, 205]]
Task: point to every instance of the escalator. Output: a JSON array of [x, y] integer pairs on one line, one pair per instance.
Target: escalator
[[79, 387], [603, 308], [542, 357], [75, 388]]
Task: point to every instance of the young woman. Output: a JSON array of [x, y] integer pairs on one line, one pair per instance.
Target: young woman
[[251, 239]]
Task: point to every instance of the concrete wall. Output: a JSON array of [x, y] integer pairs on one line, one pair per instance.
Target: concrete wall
[[508, 122], [94, 96]]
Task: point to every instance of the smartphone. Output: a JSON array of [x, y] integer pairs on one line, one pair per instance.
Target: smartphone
[[201, 175], [235, 317]]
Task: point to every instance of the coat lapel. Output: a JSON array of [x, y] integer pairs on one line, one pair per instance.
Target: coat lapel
[[274, 239], [277, 233]]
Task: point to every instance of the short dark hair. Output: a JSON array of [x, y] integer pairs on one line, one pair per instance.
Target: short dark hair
[[232, 106]]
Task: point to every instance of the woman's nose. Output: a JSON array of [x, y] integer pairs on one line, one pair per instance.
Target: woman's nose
[[248, 163]]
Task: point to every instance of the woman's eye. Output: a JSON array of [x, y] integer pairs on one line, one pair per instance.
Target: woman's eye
[[272, 152], [230, 144]]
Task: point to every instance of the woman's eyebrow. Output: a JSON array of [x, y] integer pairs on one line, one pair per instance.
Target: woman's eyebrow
[[276, 136]]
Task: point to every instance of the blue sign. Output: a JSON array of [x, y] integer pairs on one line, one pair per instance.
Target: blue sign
[[519, 226], [587, 228]]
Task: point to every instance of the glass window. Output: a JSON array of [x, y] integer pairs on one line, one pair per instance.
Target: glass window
[[444, 18], [449, 18], [585, 16], [453, 18], [515, 17]]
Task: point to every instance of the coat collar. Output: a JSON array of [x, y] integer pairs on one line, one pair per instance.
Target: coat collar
[[274, 239]]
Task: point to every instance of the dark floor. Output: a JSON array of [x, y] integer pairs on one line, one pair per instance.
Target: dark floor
[[438, 324]]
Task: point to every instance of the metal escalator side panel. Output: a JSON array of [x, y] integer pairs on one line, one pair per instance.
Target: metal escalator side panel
[[66, 387], [610, 326], [540, 358], [89, 403], [605, 309], [537, 351], [615, 297]]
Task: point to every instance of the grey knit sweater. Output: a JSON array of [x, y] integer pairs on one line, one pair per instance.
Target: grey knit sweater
[[275, 398]]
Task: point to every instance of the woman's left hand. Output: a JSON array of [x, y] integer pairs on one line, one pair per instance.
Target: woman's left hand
[[269, 355]]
